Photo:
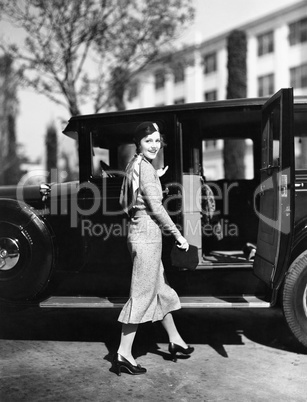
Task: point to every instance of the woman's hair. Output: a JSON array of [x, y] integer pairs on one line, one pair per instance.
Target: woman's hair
[[143, 130]]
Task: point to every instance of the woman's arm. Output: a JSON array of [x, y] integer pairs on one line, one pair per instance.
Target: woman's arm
[[151, 190]]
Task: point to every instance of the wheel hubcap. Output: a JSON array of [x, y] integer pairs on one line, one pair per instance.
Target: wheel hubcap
[[9, 253]]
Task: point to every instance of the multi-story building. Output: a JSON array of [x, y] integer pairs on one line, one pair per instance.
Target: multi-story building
[[276, 58]]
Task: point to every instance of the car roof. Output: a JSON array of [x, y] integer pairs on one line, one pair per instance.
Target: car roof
[[257, 103]]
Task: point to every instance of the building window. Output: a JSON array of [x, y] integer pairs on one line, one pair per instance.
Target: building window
[[298, 76], [178, 71], [266, 85], [159, 79], [179, 101], [210, 63], [210, 96], [133, 91], [298, 32], [265, 43]]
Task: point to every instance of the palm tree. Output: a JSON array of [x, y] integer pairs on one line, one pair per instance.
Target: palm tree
[[234, 148]]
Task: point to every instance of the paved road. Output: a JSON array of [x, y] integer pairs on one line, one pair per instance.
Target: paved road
[[64, 355]]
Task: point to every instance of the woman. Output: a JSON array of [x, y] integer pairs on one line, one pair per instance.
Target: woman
[[151, 298]]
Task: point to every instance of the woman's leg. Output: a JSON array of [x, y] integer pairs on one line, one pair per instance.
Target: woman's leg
[[126, 341], [173, 334]]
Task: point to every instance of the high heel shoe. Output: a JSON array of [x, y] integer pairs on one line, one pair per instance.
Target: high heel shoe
[[121, 364], [173, 348]]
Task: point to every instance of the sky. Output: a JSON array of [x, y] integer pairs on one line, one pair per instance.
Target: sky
[[213, 17]]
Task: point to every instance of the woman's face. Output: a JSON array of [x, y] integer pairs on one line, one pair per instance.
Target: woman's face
[[150, 145]]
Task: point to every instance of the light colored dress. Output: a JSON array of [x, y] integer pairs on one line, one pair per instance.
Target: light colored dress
[[151, 297]]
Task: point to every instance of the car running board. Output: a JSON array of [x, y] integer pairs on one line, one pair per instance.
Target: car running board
[[186, 302]]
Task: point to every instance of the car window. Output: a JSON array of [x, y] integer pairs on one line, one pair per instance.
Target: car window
[[215, 153], [300, 140], [115, 159], [300, 149], [100, 158]]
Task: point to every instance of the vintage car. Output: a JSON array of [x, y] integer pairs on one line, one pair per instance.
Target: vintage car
[[64, 244]]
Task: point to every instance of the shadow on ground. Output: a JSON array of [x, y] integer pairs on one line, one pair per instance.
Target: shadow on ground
[[213, 327]]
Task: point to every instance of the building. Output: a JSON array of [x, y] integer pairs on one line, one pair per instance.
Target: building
[[276, 58]]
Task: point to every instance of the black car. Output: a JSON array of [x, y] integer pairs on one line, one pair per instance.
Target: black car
[[236, 187]]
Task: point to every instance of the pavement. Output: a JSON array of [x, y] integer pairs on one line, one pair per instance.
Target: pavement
[[65, 355]]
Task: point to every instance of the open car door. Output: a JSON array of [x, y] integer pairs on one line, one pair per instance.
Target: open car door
[[274, 198]]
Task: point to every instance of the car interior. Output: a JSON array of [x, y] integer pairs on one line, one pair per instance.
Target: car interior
[[217, 202]]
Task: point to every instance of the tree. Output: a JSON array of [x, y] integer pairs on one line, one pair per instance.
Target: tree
[[12, 172], [234, 149], [51, 148], [118, 86], [67, 173], [237, 71], [76, 51], [9, 159]]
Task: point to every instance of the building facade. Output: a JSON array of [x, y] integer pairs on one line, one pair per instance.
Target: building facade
[[276, 58]]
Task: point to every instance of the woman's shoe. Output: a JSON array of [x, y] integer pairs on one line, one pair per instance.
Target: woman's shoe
[[121, 364], [173, 348]]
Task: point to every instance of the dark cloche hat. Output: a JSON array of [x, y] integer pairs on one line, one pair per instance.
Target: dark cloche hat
[[144, 129]]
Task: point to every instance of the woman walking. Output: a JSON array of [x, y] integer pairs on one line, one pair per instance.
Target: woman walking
[[151, 297]]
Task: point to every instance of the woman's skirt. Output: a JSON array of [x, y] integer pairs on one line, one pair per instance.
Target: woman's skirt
[[151, 297]]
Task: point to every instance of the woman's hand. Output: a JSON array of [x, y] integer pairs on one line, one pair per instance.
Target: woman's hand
[[183, 243], [161, 171]]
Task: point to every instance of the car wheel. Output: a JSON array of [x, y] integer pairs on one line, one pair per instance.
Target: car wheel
[[295, 298], [26, 251]]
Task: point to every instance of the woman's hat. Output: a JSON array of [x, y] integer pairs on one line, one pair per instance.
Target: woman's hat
[[144, 129]]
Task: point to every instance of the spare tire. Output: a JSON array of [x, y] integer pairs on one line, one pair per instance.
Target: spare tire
[[26, 251]]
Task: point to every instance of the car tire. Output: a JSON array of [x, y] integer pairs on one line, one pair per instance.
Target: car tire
[[26, 251], [295, 298]]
